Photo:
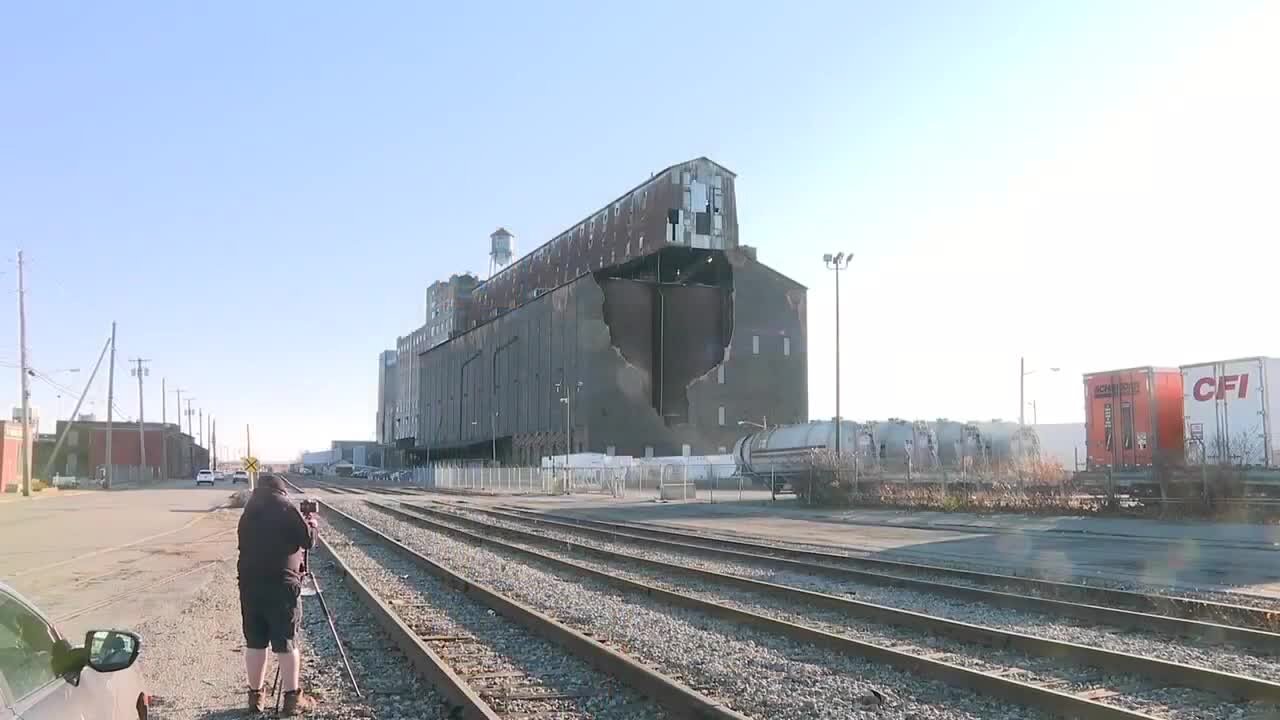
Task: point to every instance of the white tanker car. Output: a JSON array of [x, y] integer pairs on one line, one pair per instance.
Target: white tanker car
[[892, 450]]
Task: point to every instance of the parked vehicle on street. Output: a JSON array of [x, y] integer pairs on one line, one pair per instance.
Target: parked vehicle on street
[[204, 477], [45, 677], [63, 481]]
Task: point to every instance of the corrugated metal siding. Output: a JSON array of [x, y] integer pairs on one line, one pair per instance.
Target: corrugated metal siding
[[632, 226], [600, 332]]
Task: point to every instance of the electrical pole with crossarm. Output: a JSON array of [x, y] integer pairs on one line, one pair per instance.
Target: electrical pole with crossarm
[[139, 371], [26, 383]]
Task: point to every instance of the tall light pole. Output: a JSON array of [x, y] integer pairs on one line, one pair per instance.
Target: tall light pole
[[1022, 389], [838, 263], [763, 424]]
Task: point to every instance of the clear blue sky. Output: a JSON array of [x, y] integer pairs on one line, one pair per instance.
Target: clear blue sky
[[259, 193]]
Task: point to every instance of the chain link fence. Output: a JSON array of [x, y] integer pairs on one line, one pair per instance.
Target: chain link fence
[[691, 481]]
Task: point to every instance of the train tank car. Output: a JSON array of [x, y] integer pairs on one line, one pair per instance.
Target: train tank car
[[959, 443], [884, 447], [1006, 442], [786, 451], [896, 441]]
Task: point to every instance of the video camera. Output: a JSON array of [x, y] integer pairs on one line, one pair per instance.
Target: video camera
[[309, 507]]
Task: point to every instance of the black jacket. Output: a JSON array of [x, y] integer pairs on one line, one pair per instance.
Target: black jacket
[[272, 536]]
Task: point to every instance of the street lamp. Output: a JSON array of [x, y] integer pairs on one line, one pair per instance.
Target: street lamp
[[58, 372], [837, 262], [1022, 389], [763, 425]]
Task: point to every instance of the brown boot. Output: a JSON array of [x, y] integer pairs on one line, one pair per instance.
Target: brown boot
[[255, 702], [297, 703]]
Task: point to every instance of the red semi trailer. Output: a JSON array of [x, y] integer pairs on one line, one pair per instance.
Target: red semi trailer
[[1133, 417]]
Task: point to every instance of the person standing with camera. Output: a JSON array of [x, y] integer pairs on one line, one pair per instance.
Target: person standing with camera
[[274, 536]]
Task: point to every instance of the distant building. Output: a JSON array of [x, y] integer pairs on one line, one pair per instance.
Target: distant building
[[10, 455], [643, 329], [448, 306], [388, 392], [85, 449], [357, 452]]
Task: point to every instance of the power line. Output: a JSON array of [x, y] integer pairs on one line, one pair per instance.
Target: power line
[[50, 381]]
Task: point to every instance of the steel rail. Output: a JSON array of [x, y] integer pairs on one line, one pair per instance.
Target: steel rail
[[1163, 605], [1056, 703], [679, 700], [430, 666], [1227, 684]]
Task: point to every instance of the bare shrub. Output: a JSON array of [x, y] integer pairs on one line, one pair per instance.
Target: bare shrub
[[239, 498]]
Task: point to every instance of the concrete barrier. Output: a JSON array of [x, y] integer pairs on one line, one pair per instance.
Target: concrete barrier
[[678, 491]]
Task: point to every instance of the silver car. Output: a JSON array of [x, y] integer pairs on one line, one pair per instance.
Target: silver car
[[44, 677]]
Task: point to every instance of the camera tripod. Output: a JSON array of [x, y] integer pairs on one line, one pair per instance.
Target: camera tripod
[[346, 662]]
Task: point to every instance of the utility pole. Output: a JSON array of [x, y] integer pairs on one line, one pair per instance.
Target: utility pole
[[191, 459], [140, 371], [164, 434], [62, 437], [248, 453], [178, 392], [111, 402], [1022, 392], [26, 382], [213, 441]]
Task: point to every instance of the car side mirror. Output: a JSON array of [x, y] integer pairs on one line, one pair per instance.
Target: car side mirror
[[111, 650]]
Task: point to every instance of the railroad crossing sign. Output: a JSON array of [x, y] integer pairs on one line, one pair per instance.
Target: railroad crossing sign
[[251, 464]]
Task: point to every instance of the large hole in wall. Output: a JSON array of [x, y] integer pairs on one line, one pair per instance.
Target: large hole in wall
[[670, 314]]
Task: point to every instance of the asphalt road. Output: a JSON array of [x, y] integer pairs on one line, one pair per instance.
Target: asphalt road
[[96, 559]]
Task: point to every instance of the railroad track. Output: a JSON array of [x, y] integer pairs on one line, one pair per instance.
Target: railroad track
[[967, 584], [1012, 666], [801, 576], [360, 490], [491, 656]]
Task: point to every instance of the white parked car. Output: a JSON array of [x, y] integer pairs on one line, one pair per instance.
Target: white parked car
[[204, 477], [64, 481], [44, 677]]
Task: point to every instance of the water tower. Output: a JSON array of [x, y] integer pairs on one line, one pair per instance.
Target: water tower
[[499, 250]]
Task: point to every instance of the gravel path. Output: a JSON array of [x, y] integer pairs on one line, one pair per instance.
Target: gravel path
[[1138, 693], [193, 658], [759, 674], [497, 656], [1181, 650]]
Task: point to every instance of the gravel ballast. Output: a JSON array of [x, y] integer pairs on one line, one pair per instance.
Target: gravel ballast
[[1180, 650], [756, 673], [391, 688], [1227, 596], [494, 654], [1139, 693], [193, 659]]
